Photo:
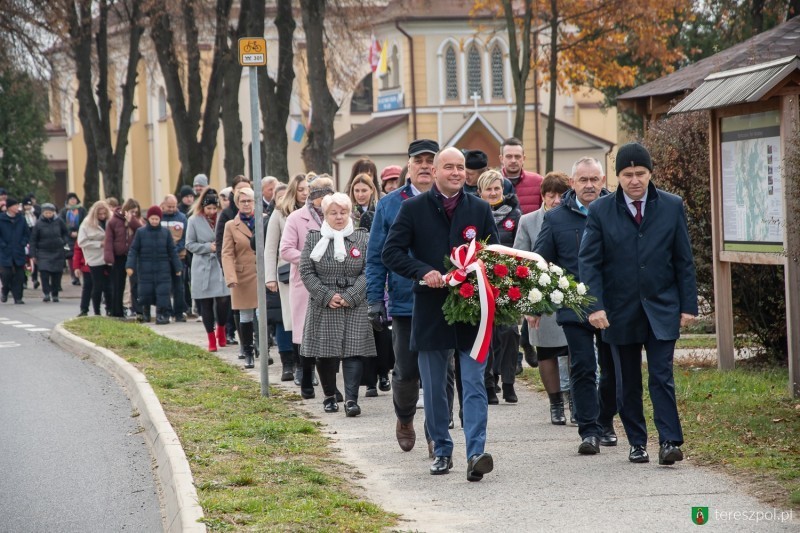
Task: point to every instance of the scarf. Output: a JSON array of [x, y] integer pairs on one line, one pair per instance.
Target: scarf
[[249, 220], [212, 221], [501, 212], [316, 212], [73, 215], [328, 233], [449, 203]]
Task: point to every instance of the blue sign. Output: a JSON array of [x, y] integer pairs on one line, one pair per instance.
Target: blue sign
[[390, 102]]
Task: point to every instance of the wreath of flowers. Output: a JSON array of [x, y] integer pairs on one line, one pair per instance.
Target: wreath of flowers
[[520, 287]]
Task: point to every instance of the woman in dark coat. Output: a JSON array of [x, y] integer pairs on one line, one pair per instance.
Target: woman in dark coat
[[72, 215], [336, 324], [505, 339], [48, 239], [152, 257], [119, 232]]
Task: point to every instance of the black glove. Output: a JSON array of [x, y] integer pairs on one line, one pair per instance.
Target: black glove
[[377, 315]]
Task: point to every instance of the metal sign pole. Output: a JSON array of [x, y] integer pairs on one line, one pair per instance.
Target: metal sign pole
[[253, 54]]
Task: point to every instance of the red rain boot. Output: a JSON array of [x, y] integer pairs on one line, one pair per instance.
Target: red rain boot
[[212, 342], [221, 336]]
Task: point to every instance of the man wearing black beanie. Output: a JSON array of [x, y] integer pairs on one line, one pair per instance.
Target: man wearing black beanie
[[14, 237], [476, 163], [636, 258]]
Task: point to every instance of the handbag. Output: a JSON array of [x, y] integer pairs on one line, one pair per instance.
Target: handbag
[[283, 272]]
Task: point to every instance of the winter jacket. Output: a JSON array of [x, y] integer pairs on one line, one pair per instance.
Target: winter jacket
[[78, 259], [298, 224], [400, 295], [528, 190], [239, 265], [48, 238], [14, 237], [506, 216], [153, 259], [273, 261], [176, 224], [91, 240], [119, 236], [207, 279], [72, 216]]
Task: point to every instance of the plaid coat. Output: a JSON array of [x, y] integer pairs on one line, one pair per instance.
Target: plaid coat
[[346, 331]]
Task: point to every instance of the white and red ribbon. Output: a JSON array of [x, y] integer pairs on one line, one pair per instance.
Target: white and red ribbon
[[465, 259]]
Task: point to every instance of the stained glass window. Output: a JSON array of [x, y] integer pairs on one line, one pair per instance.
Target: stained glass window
[[498, 85], [451, 71], [474, 77]]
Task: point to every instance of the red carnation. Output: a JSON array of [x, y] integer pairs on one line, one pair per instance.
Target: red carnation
[[466, 290], [523, 271], [500, 270], [514, 294], [496, 292]]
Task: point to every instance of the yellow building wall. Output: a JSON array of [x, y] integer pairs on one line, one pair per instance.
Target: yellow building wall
[[138, 149], [427, 127], [420, 70]]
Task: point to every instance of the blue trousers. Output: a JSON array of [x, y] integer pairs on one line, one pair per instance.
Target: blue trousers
[[433, 366], [628, 365]]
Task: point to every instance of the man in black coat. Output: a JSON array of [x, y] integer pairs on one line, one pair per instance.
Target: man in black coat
[[636, 258], [429, 226], [14, 237], [558, 242]]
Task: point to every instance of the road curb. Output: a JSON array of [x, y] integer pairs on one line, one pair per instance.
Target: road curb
[[179, 496]]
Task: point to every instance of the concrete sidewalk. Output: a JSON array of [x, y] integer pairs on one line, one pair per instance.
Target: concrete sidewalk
[[539, 483]]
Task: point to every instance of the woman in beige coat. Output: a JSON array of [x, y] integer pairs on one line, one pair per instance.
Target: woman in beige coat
[[295, 198], [239, 266]]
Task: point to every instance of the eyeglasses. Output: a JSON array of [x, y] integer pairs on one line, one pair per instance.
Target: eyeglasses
[[245, 201]]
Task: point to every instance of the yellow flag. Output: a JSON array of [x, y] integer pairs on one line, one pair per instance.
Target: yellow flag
[[383, 63]]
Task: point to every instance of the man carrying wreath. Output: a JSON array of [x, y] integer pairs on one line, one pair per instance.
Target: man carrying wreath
[[429, 226]]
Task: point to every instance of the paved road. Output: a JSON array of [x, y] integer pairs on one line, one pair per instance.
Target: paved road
[[540, 483], [72, 458]]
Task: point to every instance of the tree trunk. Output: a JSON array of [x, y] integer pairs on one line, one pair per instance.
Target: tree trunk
[[91, 175], [519, 69], [276, 96], [318, 150], [551, 113], [232, 124]]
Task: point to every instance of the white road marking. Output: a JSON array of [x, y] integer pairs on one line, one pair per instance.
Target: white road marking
[[39, 329], [8, 345], [11, 322], [25, 326]]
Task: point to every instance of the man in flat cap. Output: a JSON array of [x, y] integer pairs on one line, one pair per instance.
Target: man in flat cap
[[405, 377], [636, 258]]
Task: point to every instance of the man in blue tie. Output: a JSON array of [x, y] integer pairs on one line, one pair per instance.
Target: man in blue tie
[[636, 258], [558, 242]]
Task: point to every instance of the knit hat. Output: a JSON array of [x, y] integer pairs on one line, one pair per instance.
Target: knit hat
[[633, 155], [185, 191], [27, 201], [475, 160], [392, 172], [226, 192], [11, 201], [48, 207], [155, 210], [71, 195], [210, 198], [200, 180]]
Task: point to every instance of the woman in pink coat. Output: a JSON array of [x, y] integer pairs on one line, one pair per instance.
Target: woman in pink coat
[[298, 224]]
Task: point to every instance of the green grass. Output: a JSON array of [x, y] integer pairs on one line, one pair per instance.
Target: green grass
[[695, 342], [257, 463], [742, 421]]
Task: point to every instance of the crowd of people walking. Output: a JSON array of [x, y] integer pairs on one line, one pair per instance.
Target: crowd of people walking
[[354, 283]]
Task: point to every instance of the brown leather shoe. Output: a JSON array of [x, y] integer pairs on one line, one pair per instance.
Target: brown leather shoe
[[406, 436]]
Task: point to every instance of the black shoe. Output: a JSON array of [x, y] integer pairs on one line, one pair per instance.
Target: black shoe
[[608, 438], [441, 465], [491, 396], [508, 393], [19, 302], [180, 317], [557, 409], [307, 394], [231, 340], [3, 298], [287, 374], [638, 454], [46, 298], [329, 405], [83, 313], [161, 320], [384, 384], [589, 446], [668, 453], [298, 375], [76, 282], [55, 299], [372, 392], [339, 397], [35, 285], [351, 408], [478, 465]]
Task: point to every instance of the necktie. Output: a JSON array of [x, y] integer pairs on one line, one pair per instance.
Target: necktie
[[638, 205], [583, 210]]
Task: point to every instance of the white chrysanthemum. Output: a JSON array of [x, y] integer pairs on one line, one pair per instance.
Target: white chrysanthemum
[[557, 270], [541, 265], [581, 289], [544, 279], [535, 296], [557, 297], [563, 283]]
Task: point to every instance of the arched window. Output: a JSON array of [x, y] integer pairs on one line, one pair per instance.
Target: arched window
[[451, 71], [394, 67], [362, 96], [498, 79], [474, 77]]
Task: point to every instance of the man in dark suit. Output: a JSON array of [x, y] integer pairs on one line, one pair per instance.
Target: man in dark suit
[[636, 258], [558, 242], [429, 226]]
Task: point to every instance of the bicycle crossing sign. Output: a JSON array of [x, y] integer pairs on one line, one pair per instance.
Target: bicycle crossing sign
[[252, 51]]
